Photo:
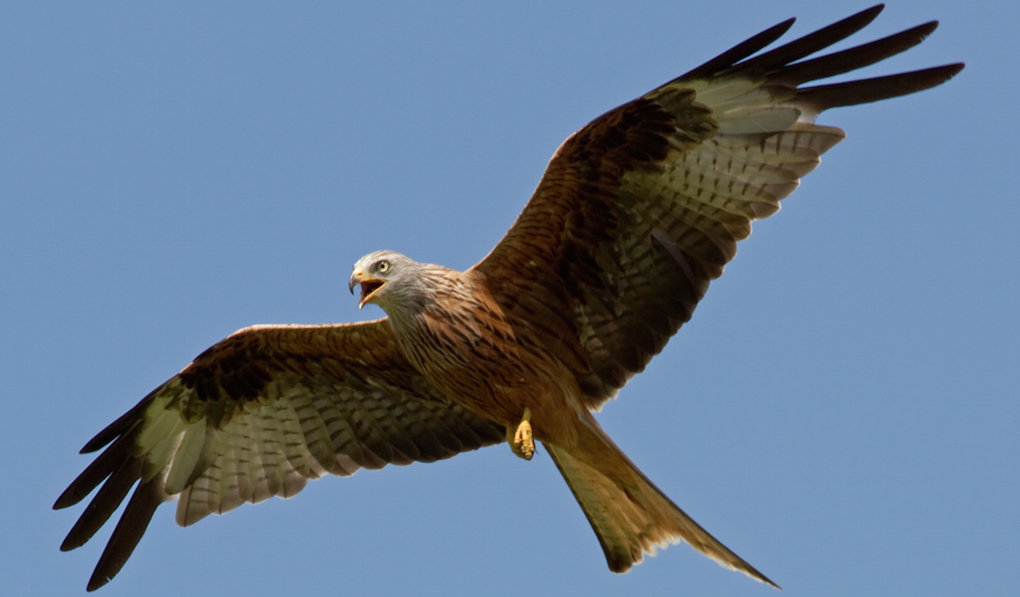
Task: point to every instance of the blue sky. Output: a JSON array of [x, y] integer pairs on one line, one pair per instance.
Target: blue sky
[[842, 410]]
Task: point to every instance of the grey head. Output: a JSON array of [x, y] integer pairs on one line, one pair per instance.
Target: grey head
[[390, 280]]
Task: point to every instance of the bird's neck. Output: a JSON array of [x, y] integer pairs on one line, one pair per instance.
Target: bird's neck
[[431, 286]]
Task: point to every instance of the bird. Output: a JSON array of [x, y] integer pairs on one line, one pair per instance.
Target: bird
[[635, 215]]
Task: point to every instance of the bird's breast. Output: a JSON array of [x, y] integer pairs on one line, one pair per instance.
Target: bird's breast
[[469, 351]]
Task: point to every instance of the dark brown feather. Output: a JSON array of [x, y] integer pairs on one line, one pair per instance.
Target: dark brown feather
[[116, 486], [852, 93], [128, 532], [857, 57], [738, 52], [788, 53]]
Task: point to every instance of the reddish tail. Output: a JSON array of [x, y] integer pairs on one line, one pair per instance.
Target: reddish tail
[[629, 514]]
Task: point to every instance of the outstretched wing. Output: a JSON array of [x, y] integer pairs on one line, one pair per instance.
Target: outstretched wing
[[638, 211], [256, 416]]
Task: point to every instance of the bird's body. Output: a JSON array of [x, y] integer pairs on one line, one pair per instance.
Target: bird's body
[[461, 328], [456, 333], [636, 214]]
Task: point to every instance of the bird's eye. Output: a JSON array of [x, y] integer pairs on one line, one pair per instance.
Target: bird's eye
[[383, 267]]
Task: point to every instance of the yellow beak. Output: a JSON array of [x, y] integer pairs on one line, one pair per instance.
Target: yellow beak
[[369, 285]]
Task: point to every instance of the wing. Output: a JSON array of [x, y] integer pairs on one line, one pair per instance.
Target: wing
[[638, 211], [256, 416]]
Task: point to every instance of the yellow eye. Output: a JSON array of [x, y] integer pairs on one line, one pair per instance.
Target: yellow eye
[[383, 267]]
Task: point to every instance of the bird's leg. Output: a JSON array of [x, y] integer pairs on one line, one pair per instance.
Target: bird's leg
[[522, 442]]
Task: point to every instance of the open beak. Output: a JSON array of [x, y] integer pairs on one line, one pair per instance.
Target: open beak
[[369, 285]]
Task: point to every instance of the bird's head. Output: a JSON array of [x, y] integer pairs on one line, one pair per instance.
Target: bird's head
[[380, 274]]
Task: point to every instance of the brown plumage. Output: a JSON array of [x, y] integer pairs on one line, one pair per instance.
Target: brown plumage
[[635, 215]]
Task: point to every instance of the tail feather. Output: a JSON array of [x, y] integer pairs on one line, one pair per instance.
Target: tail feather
[[630, 516]]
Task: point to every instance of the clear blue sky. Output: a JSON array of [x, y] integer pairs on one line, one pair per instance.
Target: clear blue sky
[[842, 411]]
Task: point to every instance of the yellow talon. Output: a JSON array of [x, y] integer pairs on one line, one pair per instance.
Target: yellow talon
[[522, 442]]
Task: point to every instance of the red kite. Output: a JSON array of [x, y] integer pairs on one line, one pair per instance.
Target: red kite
[[635, 215]]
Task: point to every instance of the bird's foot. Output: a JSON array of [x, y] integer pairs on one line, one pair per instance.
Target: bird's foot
[[522, 442]]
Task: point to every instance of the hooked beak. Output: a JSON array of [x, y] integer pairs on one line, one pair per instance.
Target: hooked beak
[[369, 285]]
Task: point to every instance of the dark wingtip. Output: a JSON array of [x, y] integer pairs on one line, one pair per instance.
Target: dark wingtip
[[739, 51], [868, 14], [845, 61], [110, 433], [955, 68], [95, 582], [864, 91], [129, 530], [103, 505], [63, 501], [874, 9], [784, 55]]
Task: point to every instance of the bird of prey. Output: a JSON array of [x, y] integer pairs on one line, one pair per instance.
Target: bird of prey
[[636, 213]]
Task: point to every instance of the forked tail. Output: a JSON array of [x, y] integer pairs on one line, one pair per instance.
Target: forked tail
[[629, 514]]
